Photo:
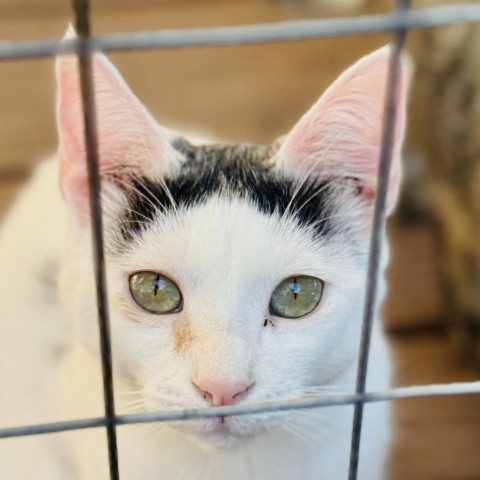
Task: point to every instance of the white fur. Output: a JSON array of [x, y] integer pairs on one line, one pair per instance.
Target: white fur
[[227, 258], [232, 257]]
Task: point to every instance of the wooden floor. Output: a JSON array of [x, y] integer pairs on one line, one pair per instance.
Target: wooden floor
[[256, 93], [436, 438]]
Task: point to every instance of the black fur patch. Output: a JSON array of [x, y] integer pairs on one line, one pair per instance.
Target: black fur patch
[[231, 171]]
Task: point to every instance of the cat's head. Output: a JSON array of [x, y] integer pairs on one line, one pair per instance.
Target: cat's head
[[236, 273]]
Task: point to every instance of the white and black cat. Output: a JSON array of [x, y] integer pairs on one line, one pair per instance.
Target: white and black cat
[[236, 275]]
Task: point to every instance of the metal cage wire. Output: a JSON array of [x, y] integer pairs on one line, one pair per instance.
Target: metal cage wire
[[398, 23]]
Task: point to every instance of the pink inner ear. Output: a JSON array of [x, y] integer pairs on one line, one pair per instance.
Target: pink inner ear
[[341, 134], [129, 140], [75, 190]]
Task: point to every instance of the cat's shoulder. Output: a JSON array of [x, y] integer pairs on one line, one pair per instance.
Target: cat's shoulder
[[37, 204], [31, 331]]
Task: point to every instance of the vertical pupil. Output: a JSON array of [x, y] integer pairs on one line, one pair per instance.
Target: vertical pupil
[[156, 285], [295, 288]]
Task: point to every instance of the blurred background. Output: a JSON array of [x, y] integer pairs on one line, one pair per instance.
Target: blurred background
[[255, 93]]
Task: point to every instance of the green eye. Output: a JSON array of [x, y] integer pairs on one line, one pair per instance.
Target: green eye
[[296, 296], [155, 293]]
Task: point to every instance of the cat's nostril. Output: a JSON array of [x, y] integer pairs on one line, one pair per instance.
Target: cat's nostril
[[219, 393]]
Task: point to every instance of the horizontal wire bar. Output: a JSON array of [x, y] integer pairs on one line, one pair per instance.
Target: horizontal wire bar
[[275, 406], [248, 34]]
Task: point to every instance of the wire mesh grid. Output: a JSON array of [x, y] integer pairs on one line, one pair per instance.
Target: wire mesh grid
[[398, 23]]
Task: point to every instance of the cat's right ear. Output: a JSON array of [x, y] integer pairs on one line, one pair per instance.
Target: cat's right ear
[[129, 139]]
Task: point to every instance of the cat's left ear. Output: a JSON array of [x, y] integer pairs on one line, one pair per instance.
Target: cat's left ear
[[340, 135], [129, 139]]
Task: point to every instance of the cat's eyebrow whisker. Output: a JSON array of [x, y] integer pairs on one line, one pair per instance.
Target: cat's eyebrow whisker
[[136, 222], [162, 183], [149, 153], [147, 150], [137, 213], [152, 195], [129, 186], [311, 197], [150, 199], [342, 215], [306, 175]]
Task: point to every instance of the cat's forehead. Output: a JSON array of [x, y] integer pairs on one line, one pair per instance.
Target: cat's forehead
[[231, 172], [220, 155], [229, 238]]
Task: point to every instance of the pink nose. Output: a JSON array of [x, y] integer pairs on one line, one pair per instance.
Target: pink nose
[[219, 394]]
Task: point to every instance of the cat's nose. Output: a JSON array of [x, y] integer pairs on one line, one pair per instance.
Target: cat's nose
[[218, 393]]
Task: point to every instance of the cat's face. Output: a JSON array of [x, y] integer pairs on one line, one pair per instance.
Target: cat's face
[[236, 273]]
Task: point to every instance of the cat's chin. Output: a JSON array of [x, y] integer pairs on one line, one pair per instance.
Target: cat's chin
[[217, 433], [213, 442]]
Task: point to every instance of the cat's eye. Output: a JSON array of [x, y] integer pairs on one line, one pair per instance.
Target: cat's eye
[[155, 293], [296, 296]]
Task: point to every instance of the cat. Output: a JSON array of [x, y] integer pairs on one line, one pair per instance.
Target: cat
[[236, 275]]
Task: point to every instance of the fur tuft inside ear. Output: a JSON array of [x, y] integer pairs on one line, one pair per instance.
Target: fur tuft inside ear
[[129, 139], [340, 135]]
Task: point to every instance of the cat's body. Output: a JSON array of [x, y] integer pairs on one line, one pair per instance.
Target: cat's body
[[227, 224]]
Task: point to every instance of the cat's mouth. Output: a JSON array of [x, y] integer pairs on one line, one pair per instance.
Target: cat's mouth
[[220, 432], [225, 433], [220, 428], [222, 423], [223, 426]]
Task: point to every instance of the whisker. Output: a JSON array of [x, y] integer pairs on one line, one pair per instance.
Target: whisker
[[317, 390], [150, 199], [137, 213], [141, 135], [307, 174], [342, 215], [137, 222], [169, 195], [311, 197]]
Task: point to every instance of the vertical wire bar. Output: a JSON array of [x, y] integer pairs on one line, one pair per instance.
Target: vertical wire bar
[[386, 153], [82, 23]]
